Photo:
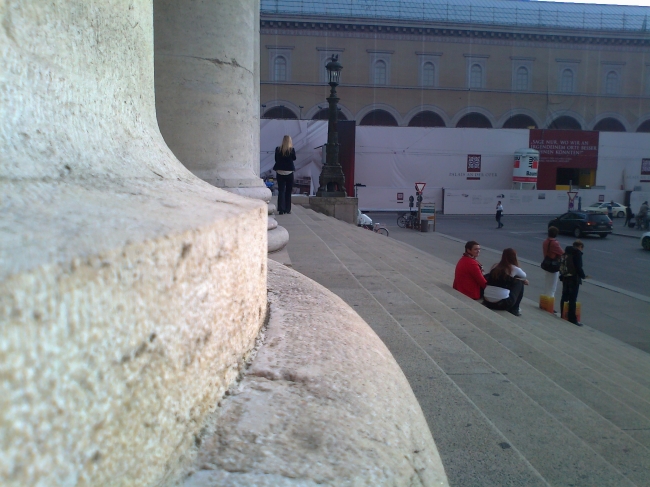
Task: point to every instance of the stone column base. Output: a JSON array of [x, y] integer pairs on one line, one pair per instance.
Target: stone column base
[[344, 209], [278, 237]]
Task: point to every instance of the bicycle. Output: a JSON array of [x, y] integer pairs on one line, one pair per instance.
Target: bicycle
[[408, 221], [377, 228]]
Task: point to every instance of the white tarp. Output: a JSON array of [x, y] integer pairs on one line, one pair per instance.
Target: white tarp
[[307, 135], [390, 160], [521, 202]]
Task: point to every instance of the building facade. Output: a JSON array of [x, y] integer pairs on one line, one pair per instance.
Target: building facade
[[490, 63]]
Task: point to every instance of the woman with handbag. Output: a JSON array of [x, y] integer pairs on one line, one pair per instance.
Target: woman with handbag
[[551, 263]]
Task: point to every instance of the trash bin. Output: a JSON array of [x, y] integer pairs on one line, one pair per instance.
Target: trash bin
[[424, 225]]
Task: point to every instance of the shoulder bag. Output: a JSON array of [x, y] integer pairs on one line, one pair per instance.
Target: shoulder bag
[[550, 265]]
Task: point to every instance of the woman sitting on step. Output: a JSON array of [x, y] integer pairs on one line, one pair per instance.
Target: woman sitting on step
[[505, 284]]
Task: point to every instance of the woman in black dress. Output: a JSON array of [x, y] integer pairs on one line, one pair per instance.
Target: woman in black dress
[[284, 168]]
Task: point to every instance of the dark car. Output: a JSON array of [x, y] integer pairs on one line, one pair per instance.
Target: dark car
[[579, 223]]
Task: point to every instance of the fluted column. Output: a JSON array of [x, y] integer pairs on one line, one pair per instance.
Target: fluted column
[[207, 93]]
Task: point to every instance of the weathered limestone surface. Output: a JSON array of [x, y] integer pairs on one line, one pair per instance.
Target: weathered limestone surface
[[323, 403], [131, 292]]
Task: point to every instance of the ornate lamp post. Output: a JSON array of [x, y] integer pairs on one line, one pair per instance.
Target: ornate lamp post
[[332, 181]]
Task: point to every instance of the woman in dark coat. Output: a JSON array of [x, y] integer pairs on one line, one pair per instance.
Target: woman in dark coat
[[284, 168]]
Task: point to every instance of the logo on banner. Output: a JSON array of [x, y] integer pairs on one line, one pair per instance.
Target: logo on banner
[[474, 167], [645, 170]]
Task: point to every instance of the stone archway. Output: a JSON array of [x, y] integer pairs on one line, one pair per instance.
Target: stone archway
[[379, 117], [609, 125], [324, 113], [280, 112], [474, 120], [644, 127], [427, 118], [565, 122], [520, 122]]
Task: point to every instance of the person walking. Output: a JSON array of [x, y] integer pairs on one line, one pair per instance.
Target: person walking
[[505, 284], [610, 210], [571, 283], [552, 251], [642, 216], [499, 213], [628, 216], [468, 276], [284, 167]]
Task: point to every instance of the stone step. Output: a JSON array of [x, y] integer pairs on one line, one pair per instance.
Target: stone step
[[477, 347], [611, 353]]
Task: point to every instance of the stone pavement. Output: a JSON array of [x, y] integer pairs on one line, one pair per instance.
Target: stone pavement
[[529, 401]]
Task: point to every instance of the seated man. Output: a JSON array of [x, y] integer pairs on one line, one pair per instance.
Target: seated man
[[468, 277], [505, 284]]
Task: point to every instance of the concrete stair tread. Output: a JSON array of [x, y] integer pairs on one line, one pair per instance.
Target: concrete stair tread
[[598, 422], [608, 347]]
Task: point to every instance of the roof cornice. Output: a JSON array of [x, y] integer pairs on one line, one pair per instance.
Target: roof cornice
[[503, 32]]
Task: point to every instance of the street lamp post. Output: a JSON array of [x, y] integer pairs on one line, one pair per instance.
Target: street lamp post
[[332, 181]]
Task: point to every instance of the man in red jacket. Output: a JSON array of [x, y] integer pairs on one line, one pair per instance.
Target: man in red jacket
[[469, 278]]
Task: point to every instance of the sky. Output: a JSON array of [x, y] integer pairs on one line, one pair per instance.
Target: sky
[[642, 3]]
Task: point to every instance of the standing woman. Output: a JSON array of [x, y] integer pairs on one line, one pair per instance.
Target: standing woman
[[553, 251], [499, 213], [284, 167]]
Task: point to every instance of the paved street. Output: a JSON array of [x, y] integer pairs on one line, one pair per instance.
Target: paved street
[[615, 301]]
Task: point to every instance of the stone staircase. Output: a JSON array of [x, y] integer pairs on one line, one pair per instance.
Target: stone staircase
[[521, 401]]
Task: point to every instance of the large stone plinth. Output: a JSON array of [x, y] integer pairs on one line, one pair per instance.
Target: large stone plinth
[[340, 208], [323, 403], [131, 292]]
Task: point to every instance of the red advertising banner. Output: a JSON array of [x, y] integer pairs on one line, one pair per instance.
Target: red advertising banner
[[474, 166], [645, 171], [567, 148]]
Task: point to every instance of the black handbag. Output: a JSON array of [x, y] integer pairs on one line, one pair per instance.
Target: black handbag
[[550, 265]]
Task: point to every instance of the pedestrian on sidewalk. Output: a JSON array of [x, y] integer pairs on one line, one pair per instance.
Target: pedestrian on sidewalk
[[505, 284], [610, 210], [552, 250], [642, 216], [284, 167], [628, 216], [499, 213], [571, 283], [468, 278]]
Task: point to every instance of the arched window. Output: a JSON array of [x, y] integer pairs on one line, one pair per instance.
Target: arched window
[[476, 76], [379, 117], [380, 73], [428, 74], [280, 69], [521, 79], [566, 81], [611, 83]]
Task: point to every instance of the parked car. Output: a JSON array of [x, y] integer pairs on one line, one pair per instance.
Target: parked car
[[618, 210], [645, 241], [579, 223]]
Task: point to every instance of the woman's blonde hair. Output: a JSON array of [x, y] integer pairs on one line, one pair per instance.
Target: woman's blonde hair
[[287, 145]]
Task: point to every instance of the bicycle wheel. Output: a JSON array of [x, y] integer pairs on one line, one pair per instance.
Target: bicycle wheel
[[401, 221], [383, 231]]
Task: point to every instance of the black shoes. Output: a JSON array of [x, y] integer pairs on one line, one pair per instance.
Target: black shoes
[[516, 312]]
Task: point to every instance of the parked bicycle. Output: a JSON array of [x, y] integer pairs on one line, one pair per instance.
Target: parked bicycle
[[366, 222], [409, 220]]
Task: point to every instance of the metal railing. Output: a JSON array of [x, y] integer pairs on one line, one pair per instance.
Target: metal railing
[[525, 14]]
